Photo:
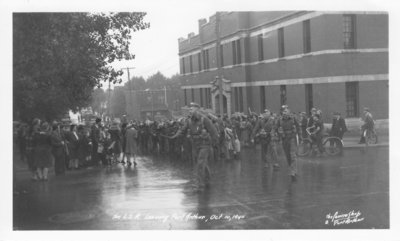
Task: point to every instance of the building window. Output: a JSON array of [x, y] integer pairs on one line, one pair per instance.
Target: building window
[[192, 95], [281, 43], [201, 97], [262, 98], [185, 97], [260, 48], [221, 54], [349, 29], [208, 98], [240, 99], [199, 60], [190, 64], [206, 60], [283, 95], [309, 97], [306, 36], [236, 96], [238, 52], [234, 52], [352, 99], [183, 65]]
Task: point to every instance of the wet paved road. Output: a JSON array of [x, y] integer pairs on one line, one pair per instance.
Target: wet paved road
[[158, 194]]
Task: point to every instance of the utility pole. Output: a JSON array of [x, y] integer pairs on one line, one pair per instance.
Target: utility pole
[[109, 99], [129, 85], [219, 65], [152, 104]]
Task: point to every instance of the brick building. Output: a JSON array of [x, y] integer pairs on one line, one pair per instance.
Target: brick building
[[335, 61]]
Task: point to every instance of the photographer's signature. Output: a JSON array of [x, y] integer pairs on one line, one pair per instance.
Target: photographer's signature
[[337, 218]]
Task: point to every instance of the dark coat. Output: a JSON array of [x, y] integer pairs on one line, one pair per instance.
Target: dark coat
[[73, 145], [95, 134], [42, 149], [338, 127], [84, 147]]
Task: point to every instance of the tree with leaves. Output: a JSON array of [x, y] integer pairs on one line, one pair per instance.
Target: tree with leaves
[[99, 98], [59, 58], [118, 102], [135, 83], [156, 81]]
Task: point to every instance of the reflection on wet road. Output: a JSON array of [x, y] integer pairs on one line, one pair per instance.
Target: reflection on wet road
[[159, 194]]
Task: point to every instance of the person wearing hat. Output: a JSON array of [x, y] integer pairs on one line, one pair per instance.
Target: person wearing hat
[[287, 127], [263, 130], [72, 139], [201, 151], [338, 126], [303, 121], [316, 133], [42, 151], [131, 146], [95, 134], [58, 149], [310, 120], [368, 124], [116, 138]]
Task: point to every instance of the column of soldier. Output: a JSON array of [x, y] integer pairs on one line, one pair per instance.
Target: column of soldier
[[72, 147]]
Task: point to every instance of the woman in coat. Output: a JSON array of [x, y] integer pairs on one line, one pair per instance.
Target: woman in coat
[[58, 149], [131, 144], [116, 136], [73, 145], [84, 147], [42, 151]]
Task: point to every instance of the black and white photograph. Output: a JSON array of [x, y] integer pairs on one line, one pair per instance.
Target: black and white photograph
[[199, 115]]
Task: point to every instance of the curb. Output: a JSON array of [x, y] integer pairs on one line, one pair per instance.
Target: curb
[[355, 146]]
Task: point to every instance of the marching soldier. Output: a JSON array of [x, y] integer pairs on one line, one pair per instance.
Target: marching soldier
[[287, 127], [263, 130], [196, 128]]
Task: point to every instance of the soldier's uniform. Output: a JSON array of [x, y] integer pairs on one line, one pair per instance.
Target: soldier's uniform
[[288, 126], [201, 148], [264, 129]]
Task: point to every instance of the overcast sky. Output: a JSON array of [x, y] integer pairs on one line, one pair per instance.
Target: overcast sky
[[156, 48]]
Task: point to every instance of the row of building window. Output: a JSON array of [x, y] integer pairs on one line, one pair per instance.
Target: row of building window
[[352, 96], [205, 97], [349, 42]]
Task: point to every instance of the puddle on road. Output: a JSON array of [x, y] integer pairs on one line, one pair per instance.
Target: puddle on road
[[73, 217]]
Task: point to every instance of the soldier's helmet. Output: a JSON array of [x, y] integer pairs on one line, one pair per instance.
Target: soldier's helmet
[[195, 105]]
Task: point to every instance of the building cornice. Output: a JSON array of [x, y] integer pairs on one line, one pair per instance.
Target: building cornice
[[299, 81]]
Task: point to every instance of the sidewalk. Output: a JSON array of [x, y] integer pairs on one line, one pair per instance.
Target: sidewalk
[[352, 141]]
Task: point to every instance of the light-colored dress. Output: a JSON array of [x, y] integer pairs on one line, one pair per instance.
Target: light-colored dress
[[131, 141]]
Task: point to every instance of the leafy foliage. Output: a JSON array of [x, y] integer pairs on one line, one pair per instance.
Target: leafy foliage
[[58, 58], [136, 83], [118, 102], [156, 81], [99, 97]]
